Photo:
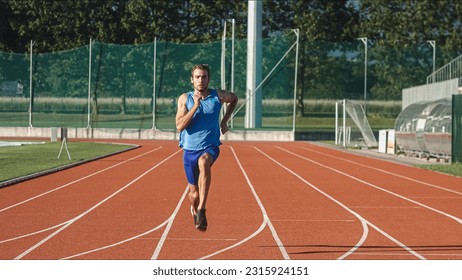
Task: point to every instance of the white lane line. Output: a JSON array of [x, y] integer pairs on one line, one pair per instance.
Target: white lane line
[[170, 220], [32, 233], [139, 236], [266, 221], [117, 243], [262, 226], [364, 222], [361, 219], [78, 180], [91, 209], [386, 172], [375, 186], [263, 210]]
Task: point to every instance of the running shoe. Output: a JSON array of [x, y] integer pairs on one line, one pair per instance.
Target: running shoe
[[201, 220]]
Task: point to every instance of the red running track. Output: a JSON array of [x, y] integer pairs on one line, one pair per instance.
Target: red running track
[[270, 200]]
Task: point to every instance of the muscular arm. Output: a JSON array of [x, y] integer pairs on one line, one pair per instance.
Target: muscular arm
[[231, 99], [183, 115]]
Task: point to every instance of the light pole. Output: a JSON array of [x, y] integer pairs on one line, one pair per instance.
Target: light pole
[[433, 44], [364, 40]]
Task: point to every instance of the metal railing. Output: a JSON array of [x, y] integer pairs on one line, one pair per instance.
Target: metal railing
[[449, 71]]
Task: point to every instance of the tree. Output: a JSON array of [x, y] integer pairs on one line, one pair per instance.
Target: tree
[[8, 37], [399, 31], [53, 25], [319, 21]]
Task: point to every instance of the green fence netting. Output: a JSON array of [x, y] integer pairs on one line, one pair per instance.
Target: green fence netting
[[14, 84], [115, 86], [136, 86], [59, 88]]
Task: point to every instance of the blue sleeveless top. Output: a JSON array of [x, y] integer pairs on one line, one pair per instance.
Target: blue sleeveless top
[[204, 129]]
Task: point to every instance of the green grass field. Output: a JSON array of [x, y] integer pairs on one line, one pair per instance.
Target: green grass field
[[453, 169], [18, 161]]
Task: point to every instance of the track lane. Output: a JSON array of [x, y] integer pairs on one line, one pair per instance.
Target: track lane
[[431, 179], [40, 186], [65, 204], [415, 225], [296, 211], [332, 179], [134, 204], [440, 198], [232, 213], [443, 191], [131, 224]]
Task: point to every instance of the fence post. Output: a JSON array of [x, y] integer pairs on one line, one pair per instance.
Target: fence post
[[154, 86], [89, 86], [296, 31], [30, 84]]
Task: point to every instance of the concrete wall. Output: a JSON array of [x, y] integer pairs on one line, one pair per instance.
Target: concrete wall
[[429, 92], [106, 133]]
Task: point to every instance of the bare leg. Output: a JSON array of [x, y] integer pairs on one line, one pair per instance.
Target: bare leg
[[205, 162], [193, 196], [205, 176]]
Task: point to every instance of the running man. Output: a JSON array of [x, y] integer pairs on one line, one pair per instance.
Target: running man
[[198, 120]]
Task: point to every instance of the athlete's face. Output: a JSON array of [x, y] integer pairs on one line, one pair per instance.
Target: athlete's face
[[200, 80]]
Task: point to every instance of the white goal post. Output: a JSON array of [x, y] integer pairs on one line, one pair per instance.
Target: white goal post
[[355, 129]]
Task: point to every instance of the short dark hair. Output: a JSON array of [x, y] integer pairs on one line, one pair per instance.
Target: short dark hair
[[204, 67]]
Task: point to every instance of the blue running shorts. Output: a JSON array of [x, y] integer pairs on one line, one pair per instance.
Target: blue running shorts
[[191, 162]]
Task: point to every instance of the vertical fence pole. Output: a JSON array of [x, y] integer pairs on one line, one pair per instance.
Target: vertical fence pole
[[223, 59], [296, 31], [344, 122], [336, 123], [232, 62], [89, 86], [154, 85], [30, 84], [223, 66]]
